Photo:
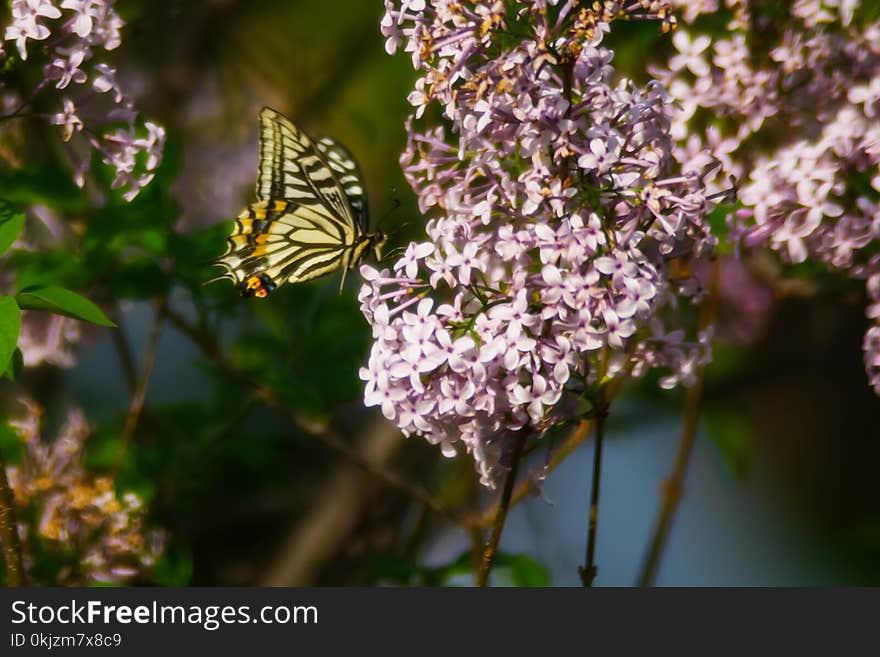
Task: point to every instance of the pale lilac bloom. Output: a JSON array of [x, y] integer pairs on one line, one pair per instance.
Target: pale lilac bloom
[[72, 514], [79, 30], [536, 396], [866, 94], [691, 53], [67, 69], [68, 120], [105, 81], [533, 257], [801, 188], [21, 31], [601, 156], [82, 22]]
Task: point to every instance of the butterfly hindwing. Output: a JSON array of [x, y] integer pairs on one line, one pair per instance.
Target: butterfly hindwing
[[343, 164]]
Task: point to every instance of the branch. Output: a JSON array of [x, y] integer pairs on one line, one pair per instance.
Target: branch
[[211, 350], [527, 486], [142, 382], [123, 350], [673, 488], [339, 503], [9, 531], [482, 577], [588, 571]]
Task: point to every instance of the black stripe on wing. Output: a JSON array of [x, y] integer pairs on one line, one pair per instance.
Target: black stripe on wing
[[292, 168], [340, 159]]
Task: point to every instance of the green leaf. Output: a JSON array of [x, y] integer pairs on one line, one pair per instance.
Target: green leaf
[[11, 223], [49, 186], [46, 268], [524, 570], [10, 326], [140, 279], [385, 568], [60, 301], [516, 569], [11, 445], [193, 254], [463, 564], [718, 225], [174, 568], [104, 450], [15, 366], [732, 436]]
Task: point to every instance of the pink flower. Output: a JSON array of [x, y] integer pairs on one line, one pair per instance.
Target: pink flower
[[68, 120], [691, 53], [531, 278]]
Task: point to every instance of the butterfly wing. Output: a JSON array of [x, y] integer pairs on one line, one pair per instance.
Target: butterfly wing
[[284, 242], [349, 175], [292, 168], [304, 224]]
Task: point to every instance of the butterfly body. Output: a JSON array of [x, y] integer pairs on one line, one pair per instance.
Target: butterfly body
[[310, 217]]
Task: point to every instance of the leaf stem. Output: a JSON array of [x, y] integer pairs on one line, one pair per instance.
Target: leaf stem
[[491, 548]]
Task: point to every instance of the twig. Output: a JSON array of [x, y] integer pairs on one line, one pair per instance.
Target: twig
[[588, 571], [673, 488], [526, 487], [17, 114], [123, 350], [9, 531], [138, 396], [211, 349], [339, 503], [501, 516]]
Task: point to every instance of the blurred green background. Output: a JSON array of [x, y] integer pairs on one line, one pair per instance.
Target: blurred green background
[[782, 490]]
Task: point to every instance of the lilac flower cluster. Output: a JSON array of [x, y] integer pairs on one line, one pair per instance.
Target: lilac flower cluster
[[871, 344], [558, 209], [794, 117], [73, 31], [72, 512]]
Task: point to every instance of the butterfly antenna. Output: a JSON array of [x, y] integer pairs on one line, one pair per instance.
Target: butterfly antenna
[[398, 229], [393, 254], [395, 205], [224, 275], [215, 279]]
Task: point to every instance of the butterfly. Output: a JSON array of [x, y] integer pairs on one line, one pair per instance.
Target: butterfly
[[310, 218]]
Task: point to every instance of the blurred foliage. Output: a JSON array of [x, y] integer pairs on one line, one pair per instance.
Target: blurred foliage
[[226, 474], [732, 436], [509, 570]]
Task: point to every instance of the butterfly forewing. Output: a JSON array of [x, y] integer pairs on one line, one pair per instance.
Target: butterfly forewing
[[292, 168], [310, 217]]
